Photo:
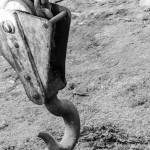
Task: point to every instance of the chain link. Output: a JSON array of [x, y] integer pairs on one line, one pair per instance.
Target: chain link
[[43, 8]]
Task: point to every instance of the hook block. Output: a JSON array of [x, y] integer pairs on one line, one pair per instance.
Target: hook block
[[36, 47]]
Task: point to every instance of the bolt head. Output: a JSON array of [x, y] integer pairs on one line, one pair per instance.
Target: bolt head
[[16, 45], [27, 77], [45, 26]]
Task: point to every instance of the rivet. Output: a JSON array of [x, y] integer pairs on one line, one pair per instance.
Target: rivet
[[45, 25], [16, 45], [8, 27], [27, 77], [36, 96]]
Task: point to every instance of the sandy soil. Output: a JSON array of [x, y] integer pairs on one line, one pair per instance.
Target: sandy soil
[[108, 78]]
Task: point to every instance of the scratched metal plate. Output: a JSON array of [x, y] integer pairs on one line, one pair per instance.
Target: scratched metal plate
[[29, 40], [39, 37]]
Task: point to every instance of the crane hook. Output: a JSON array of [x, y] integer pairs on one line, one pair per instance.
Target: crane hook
[[67, 110], [60, 108]]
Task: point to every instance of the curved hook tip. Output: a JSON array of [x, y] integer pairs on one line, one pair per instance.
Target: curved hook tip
[[45, 137], [49, 140]]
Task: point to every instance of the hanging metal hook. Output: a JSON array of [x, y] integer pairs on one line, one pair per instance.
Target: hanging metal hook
[[60, 108], [67, 110]]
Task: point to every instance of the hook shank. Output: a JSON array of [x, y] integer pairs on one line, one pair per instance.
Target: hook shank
[[67, 110]]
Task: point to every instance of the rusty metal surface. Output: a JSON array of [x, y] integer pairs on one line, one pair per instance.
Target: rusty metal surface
[[38, 37], [26, 52], [36, 49]]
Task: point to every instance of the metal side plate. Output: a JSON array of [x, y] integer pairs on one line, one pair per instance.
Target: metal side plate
[[25, 44]]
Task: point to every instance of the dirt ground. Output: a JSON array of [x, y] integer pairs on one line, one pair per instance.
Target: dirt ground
[[108, 75]]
